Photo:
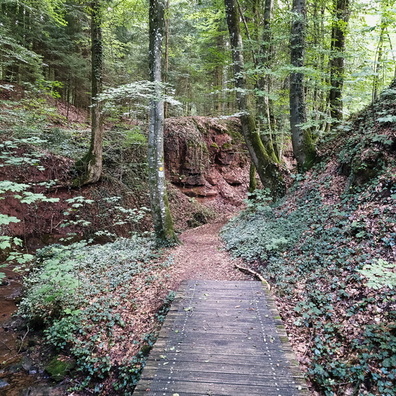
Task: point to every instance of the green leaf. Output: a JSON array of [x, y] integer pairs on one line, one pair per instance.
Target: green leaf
[[7, 185], [5, 219], [379, 274]]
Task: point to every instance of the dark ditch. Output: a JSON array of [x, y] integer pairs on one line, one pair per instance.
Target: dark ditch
[[19, 376]]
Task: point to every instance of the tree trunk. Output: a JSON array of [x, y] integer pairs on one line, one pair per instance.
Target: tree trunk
[[337, 67], [265, 112], [378, 62], [267, 170], [303, 146], [162, 218], [319, 37], [89, 168], [252, 178], [166, 56]]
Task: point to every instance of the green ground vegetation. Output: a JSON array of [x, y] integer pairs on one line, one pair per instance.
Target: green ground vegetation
[[87, 299], [328, 249]]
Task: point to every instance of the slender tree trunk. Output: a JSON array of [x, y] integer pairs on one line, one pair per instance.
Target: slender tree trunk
[[166, 55], [378, 62], [267, 170], [90, 166], [337, 62], [95, 165], [265, 112], [319, 95], [218, 77], [162, 218], [303, 146]]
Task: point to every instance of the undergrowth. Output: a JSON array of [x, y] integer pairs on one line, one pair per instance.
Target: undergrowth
[[86, 299], [321, 252], [329, 249]]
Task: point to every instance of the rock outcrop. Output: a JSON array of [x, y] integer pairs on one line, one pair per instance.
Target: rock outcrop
[[206, 158]]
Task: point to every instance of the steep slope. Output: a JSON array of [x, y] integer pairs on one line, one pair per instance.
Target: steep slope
[[329, 249]]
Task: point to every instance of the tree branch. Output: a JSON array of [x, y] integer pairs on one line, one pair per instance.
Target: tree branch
[[256, 274]]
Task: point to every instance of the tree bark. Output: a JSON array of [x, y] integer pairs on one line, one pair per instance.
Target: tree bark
[[89, 168], [267, 170], [162, 219], [337, 62], [265, 112], [378, 62], [166, 55], [303, 146]]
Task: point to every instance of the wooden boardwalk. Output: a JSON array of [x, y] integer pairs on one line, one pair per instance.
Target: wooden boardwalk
[[221, 339]]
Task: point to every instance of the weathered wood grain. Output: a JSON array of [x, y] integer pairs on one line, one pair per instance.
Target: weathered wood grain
[[222, 338]]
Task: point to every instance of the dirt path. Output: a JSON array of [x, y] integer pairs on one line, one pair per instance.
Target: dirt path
[[202, 256]]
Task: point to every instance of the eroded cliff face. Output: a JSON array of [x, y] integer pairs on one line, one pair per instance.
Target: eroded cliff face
[[206, 159]]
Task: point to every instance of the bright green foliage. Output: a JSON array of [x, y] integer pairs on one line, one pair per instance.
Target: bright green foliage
[[198, 65], [380, 274], [5, 220], [243, 238], [29, 197], [7, 185], [132, 100], [11, 52], [10, 245]]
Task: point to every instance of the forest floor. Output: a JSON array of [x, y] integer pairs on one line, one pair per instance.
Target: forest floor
[[200, 255]]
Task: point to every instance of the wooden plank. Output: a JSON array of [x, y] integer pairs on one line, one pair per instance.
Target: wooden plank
[[221, 338], [225, 366], [217, 358], [209, 388], [221, 377]]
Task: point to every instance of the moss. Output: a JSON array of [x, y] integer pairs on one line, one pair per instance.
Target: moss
[[252, 179], [81, 169], [165, 232], [309, 151], [226, 146], [58, 368]]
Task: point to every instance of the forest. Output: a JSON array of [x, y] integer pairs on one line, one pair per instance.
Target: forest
[[125, 124]]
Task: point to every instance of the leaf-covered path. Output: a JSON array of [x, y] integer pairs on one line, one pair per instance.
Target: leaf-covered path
[[201, 256]]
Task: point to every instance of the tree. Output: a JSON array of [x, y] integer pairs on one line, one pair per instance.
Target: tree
[[264, 103], [386, 10], [337, 62], [303, 146], [162, 219], [90, 166], [267, 170]]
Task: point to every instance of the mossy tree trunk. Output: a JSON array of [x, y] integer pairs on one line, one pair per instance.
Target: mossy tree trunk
[[89, 167], [303, 145], [337, 62], [162, 218], [268, 171], [265, 112], [252, 178]]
